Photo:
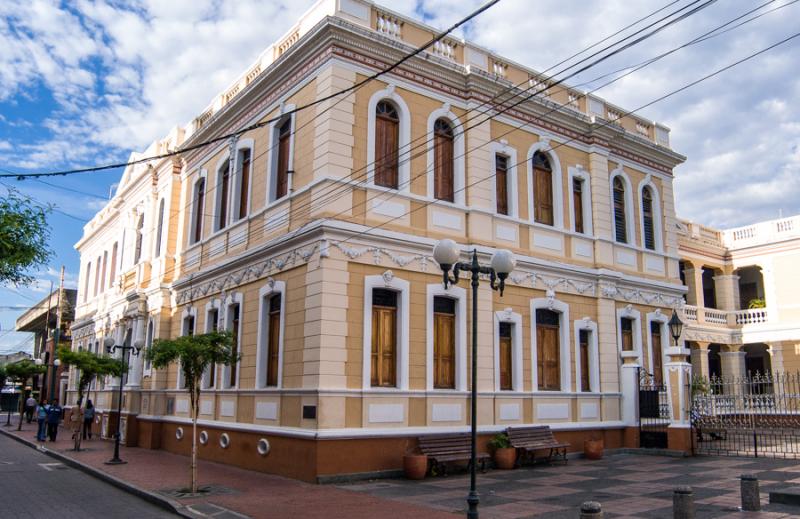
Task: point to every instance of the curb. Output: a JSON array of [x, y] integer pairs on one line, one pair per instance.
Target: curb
[[151, 497]]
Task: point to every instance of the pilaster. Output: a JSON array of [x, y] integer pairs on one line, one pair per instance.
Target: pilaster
[[678, 379], [700, 359], [601, 207]]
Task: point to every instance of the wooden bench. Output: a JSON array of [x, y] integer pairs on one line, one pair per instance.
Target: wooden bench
[[444, 448], [537, 438]]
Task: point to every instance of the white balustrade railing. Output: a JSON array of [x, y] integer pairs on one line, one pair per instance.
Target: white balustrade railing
[[752, 316], [690, 313], [763, 232], [715, 316]]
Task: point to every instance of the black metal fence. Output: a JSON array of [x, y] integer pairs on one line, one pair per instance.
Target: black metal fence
[[654, 416], [757, 415]]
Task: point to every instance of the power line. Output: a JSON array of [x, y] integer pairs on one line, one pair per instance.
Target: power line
[[261, 124], [53, 207]]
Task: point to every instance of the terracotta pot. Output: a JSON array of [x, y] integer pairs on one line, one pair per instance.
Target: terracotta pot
[[505, 458], [593, 449], [415, 466]]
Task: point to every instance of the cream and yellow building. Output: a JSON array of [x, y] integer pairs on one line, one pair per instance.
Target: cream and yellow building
[[742, 308], [310, 236]]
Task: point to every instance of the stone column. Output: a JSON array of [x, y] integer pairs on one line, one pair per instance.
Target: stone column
[[136, 362], [694, 282], [776, 357], [679, 435], [726, 287], [732, 362], [700, 359]]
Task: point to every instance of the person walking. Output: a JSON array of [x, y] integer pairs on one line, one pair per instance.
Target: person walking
[[41, 417], [30, 405], [76, 424], [53, 418], [88, 418]]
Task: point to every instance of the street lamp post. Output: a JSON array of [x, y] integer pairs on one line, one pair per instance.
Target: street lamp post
[[446, 254], [126, 349], [675, 327], [48, 387]]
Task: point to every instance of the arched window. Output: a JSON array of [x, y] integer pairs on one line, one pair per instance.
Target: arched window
[[620, 225], [223, 186], [86, 281], [137, 251], [443, 172], [647, 219], [159, 228], [542, 189], [197, 215], [113, 267], [97, 278], [243, 182], [387, 135], [282, 165]]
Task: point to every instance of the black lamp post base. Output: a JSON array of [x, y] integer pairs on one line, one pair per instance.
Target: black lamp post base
[[472, 501], [116, 461]]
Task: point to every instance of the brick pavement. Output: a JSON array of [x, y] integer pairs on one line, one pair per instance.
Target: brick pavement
[[627, 486], [253, 493]]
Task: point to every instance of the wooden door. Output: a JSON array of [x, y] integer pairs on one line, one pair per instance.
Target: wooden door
[[384, 342], [274, 339], [549, 359], [506, 376], [444, 348]]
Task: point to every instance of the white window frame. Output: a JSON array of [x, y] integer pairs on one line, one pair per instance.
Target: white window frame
[[404, 138], [272, 161], [459, 170], [190, 311], [577, 172], [509, 316], [403, 288], [214, 304], [460, 296], [658, 317], [271, 288], [629, 312], [502, 148], [558, 192], [629, 207], [202, 175], [562, 308], [594, 355], [231, 300], [657, 229], [241, 145]]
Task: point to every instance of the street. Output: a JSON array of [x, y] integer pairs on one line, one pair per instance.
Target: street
[[36, 485]]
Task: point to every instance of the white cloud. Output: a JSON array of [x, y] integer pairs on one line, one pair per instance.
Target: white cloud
[[123, 76]]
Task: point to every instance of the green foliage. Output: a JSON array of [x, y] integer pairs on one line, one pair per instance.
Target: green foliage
[[500, 441], [20, 372], [700, 385], [756, 303], [24, 237], [3, 377], [90, 365]]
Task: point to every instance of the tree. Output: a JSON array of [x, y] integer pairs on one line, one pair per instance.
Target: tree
[[89, 365], [24, 237], [196, 354], [20, 372]]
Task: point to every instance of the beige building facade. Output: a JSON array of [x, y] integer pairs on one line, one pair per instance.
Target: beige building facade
[[309, 235], [741, 305]]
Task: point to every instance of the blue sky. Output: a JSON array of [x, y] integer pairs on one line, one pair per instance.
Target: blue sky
[[88, 82]]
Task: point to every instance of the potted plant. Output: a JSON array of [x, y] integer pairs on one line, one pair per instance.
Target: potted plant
[[415, 464], [505, 456], [593, 447]]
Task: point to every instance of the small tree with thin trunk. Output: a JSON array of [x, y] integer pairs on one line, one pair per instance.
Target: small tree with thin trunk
[[20, 372], [196, 354], [89, 365]]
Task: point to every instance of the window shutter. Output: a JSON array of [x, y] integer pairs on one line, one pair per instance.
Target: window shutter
[[244, 184], [444, 339], [384, 338], [583, 338], [443, 161], [387, 130], [627, 334], [282, 173], [620, 225], [501, 183], [506, 377], [647, 217], [543, 196], [222, 215], [577, 204], [274, 339], [548, 361], [655, 340], [198, 209]]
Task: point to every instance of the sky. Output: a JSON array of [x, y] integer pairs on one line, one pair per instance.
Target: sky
[[86, 82]]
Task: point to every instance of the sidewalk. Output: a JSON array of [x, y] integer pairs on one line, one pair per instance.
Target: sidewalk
[[251, 493]]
